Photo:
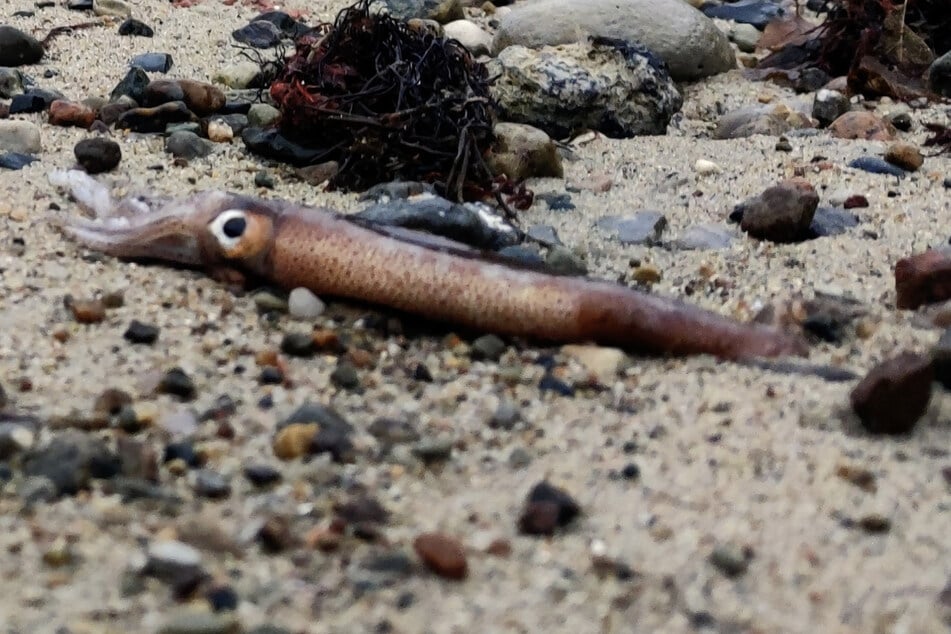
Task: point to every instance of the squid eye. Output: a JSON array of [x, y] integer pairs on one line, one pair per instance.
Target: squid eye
[[229, 226]]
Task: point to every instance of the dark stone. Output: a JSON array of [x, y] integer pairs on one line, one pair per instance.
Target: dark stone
[[270, 143], [155, 119], [924, 278], [79, 5], [131, 26], [345, 375], [290, 27], [894, 394], [759, 13], [70, 461], [139, 332], [941, 354], [98, 154], [271, 375], [182, 450], [222, 598], [132, 85], [263, 179], [489, 347], [16, 160], [237, 121], [550, 383], [298, 344], [829, 221], [544, 234], [177, 383], [782, 213], [33, 100], [393, 431], [259, 34], [153, 62], [187, 145], [262, 475], [18, 48], [547, 509], [362, 509], [211, 484], [523, 254], [876, 165], [334, 434], [557, 202]]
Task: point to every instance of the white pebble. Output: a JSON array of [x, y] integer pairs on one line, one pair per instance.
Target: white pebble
[[705, 167], [303, 304], [220, 132]]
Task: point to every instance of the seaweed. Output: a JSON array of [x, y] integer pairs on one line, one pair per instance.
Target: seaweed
[[389, 101]]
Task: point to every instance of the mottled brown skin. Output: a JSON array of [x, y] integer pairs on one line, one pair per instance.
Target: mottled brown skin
[[297, 246]]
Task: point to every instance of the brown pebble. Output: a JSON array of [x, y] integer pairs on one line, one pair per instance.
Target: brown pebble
[[500, 547], [201, 98], [875, 524], [905, 156], [859, 476], [68, 113], [442, 554], [782, 213], [858, 124], [294, 440], [894, 394], [110, 401], [87, 311], [855, 201], [923, 279], [318, 174]]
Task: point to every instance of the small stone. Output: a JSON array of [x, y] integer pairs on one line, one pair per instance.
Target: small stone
[[782, 213], [505, 416], [66, 113], [470, 35], [177, 383], [730, 559], [187, 145], [211, 484], [905, 156], [298, 344], [345, 376], [199, 97], [875, 165], [894, 394], [294, 441], [644, 227], [19, 136], [901, 120], [153, 62], [304, 305], [15, 160], [706, 168], [87, 311], [547, 509], [154, 119], [70, 461], [875, 523], [488, 347], [859, 124], [11, 82], [259, 34], [521, 151], [563, 261], [172, 561], [828, 106], [239, 76], [859, 476], [97, 155], [132, 85], [220, 132], [17, 48], [262, 475], [141, 333], [393, 431], [263, 179], [262, 115], [116, 8], [646, 274], [783, 145], [131, 26], [941, 355], [855, 201], [603, 363], [924, 278], [442, 554], [192, 621], [519, 458]]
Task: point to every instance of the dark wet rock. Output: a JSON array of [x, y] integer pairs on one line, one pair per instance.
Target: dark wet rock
[[17, 435], [442, 11], [747, 122], [924, 278], [110, 113], [222, 598], [132, 85], [547, 509], [941, 354], [855, 201], [263, 115], [550, 383], [16, 160], [259, 34], [153, 62], [298, 344], [544, 234], [262, 475], [345, 375], [333, 433], [187, 145], [644, 227], [194, 127], [759, 13], [689, 42], [894, 394], [473, 224], [97, 155], [263, 179], [182, 450], [731, 559], [289, 26], [275, 535], [34, 100], [18, 48], [433, 450], [177, 383], [11, 82], [706, 236], [830, 221], [131, 26], [901, 120], [521, 151], [71, 460], [154, 119], [829, 105], [876, 165], [393, 431], [138, 459], [782, 213], [211, 484], [619, 89], [442, 554], [904, 155], [141, 333], [270, 143], [489, 347], [200, 97]]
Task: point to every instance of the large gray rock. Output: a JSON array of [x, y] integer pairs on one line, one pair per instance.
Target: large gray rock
[[19, 136], [619, 90], [687, 40]]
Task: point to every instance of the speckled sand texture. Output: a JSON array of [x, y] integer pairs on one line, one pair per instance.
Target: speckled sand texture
[[728, 455]]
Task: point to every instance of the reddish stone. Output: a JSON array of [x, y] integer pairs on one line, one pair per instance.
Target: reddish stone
[[855, 201], [782, 213], [894, 394], [923, 279], [68, 113], [859, 124], [442, 554]]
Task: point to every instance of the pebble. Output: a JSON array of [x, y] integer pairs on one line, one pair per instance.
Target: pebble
[[829, 221], [193, 621], [393, 431], [68, 113], [153, 62], [220, 132], [131, 26], [644, 227], [859, 124], [187, 145], [172, 561], [505, 416], [262, 475], [941, 355], [705, 167], [782, 213], [705, 236], [829, 105], [334, 431], [87, 311], [345, 375], [304, 305], [21, 137], [97, 155], [470, 35], [487, 347], [298, 344], [117, 8], [259, 34], [16, 160], [603, 363], [730, 559], [154, 119], [240, 75], [263, 179], [905, 156], [132, 85], [33, 100], [11, 82], [875, 165], [18, 48], [177, 383], [564, 261], [894, 394], [547, 509], [924, 278], [263, 115], [141, 333], [199, 97], [521, 151], [70, 460], [442, 554], [210, 484]]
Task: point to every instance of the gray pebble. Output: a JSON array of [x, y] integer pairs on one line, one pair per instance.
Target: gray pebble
[[644, 227], [730, 559], [563, 261], [187, 145], [211, 484], [172, 561], [18, 136], [345, 376], [262, 115], [706, 236], [506, 416], [519, 458], [304, 305], [488, 347]]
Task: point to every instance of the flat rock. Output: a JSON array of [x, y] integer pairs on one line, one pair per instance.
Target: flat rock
[[617, 89], [923, 279], [707, 236], [860, 124], [687, 40], [894, 394], [643, 227]]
